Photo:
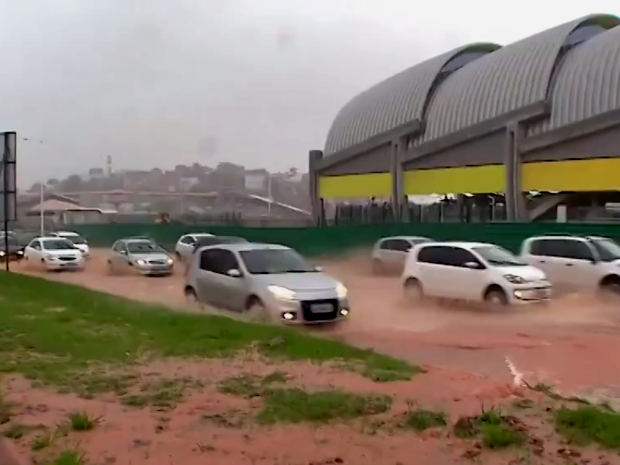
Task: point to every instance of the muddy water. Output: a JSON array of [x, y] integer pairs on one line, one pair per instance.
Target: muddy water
[[567, 342]]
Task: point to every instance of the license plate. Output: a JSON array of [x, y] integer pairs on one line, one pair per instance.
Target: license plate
[[69, 264], [322, 308]]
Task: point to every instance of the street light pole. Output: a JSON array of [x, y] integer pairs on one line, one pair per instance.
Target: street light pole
[[41, 210]]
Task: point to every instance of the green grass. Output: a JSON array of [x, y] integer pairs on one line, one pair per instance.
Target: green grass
[[422, 419], [163, 394], [584, 425], [81, 421], [68, 457], [496, 430], [296, 406], [74, 338]]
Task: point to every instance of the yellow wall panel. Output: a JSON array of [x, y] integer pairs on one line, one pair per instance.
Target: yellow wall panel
[[469, 179], [355, 185], [598, 174]]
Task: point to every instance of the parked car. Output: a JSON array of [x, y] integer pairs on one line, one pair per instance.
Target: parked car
[[13, 252], [590, 263], [54, 254], [273, 281], [472, 271], [186, 244], [137, 255], [79, 241], [390, 253]]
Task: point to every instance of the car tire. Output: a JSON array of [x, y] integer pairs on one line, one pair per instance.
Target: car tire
[[256, 310], [496, 298], [413, 290], [192, 298], [610, 288]]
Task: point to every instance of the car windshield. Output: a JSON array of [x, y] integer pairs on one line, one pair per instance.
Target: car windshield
[[143, 247], [58, 244], [498, 256], [275, 261], [607, 249], [78, 240]]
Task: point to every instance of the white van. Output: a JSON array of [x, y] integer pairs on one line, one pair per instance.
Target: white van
[[590, 263], [472, 271]]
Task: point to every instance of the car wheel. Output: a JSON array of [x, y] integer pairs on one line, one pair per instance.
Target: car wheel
[[192, 298], [413, 290], [496, 298], [256, 310], [610, 288]]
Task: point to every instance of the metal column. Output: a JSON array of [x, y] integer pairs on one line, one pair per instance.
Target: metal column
[[515, 206], [316, 203], [396, 170]]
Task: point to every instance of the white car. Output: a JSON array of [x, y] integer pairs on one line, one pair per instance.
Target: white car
[[589, 263], [472, 271], [186, 244], [54, 253], [390, 253], [79, 241]]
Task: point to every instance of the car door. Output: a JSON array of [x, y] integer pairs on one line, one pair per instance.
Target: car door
[[119, 257], [577, 263], [434, 270], [33, 253], [213, 283], [468, 276], [539, 252], [400, 250]]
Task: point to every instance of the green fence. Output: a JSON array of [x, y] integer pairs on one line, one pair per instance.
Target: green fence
[[336, 239]]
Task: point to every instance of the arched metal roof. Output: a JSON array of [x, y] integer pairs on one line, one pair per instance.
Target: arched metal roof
[[511, 78], [395, 101], [587, 84]]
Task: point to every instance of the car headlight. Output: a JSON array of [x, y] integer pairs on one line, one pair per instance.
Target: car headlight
[[170, 261], [341, 291], [514, 279], [140, 262], [19, 252], [50, 257], [282, 292], [1, 253]]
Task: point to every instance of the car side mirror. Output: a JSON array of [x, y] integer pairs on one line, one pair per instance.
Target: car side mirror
[[472, 265], [123, 252], [234, 273]]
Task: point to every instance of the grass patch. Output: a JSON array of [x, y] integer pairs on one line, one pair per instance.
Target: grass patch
[[163, 394], [296, 406], [42, 441], [81, 421], [16, 431], [422, 419], [248, 385], [97, 333], [68, 457], [586, 424], [497, 431]]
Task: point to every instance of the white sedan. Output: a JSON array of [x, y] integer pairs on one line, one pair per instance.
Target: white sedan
[[54, 254]]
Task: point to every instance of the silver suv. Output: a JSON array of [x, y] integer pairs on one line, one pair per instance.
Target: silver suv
[[272, 281]]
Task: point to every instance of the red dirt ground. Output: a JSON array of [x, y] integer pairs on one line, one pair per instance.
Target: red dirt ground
[[567, 344]]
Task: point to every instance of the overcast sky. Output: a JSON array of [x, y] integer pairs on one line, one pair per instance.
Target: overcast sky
[[155, 83]]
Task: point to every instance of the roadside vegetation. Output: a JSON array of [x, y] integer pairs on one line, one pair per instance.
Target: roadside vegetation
[[73, 338], [88, 343]]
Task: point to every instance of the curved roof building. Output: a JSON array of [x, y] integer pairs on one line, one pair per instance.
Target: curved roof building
[[542, 113]]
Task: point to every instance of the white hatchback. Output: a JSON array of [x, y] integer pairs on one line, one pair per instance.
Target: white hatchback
[[472, 271], [54, 254]]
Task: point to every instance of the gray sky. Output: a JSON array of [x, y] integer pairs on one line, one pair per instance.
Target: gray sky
[[163, 82]]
